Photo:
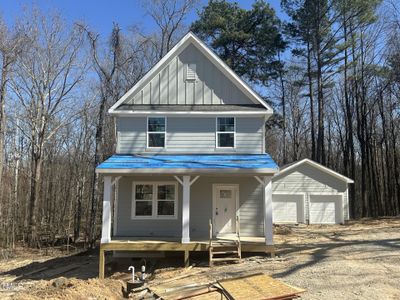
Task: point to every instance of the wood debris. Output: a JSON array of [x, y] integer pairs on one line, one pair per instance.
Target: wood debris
[[254, 286], [258, 286]]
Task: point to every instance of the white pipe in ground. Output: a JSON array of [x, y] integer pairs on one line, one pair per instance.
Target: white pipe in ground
[[133, 272]]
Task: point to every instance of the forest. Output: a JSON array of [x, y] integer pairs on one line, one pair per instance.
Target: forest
[[329, 68]]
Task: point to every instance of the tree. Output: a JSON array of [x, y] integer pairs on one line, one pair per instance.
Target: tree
[[169, 16], [311, 26], [11, 43], [118, 67], [47, 74], [247, 40]]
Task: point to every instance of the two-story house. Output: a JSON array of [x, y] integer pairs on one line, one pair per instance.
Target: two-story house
[[190, 159]]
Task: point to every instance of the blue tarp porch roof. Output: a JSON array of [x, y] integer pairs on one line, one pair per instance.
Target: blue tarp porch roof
[[214, 163]]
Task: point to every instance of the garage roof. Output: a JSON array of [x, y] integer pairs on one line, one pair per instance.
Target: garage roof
[[316, 165]]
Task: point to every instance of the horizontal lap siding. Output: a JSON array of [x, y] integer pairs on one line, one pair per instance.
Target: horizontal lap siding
[[189, 135], [308, 180], [157, 228], [250, 205], [250, 202]]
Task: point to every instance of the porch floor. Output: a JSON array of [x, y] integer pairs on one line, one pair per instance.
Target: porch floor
[[248, 244]]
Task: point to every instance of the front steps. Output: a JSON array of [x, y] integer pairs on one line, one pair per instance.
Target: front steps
[[224, 251]]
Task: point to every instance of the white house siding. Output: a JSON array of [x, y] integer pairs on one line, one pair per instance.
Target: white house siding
[[309, 180], [169, 85], [189, 135], [250, 208]]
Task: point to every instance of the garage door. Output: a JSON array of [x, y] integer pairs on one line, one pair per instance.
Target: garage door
[[287, 208], [325, 209]]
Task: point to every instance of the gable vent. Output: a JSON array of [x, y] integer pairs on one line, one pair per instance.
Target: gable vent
[[191, 72]]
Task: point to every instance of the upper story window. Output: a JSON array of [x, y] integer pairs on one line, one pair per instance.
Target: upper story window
[[156, 131], [191, 72], [226, 132]]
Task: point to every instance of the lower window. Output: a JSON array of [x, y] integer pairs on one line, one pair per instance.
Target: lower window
[[154, 200]]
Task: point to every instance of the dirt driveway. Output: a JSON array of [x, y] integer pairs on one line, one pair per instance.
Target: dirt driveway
[[360, 260]]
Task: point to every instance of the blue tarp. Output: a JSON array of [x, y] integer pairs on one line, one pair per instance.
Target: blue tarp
[[199, 161]]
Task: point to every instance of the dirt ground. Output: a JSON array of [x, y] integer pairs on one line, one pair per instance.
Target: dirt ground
[[359, 260]]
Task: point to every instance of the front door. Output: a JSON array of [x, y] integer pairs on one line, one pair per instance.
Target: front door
[[224, 209]]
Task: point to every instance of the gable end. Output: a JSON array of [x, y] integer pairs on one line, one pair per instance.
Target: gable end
[[190, 74]]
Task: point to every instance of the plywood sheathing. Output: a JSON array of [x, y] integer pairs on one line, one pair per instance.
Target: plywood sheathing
[[258, 286]]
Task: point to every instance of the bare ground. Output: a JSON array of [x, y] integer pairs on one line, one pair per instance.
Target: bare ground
[[360, 260]]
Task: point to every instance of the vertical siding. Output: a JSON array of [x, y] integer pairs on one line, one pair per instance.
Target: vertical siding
[[308, 180], [189, 135], [169, 85], [250, 206], [164, 82]]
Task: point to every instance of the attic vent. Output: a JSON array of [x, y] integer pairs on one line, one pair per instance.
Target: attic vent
[[191, 72]]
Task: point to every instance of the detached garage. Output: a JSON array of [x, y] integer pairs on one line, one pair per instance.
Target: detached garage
[[307, 192]]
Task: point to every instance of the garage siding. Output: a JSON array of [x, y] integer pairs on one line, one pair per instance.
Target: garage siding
[[308, 180]]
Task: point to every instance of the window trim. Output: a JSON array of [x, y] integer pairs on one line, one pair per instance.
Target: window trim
[[217, 132], [160, 132], [154, 201]]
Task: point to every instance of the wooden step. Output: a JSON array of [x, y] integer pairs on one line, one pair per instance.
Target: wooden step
[[226, 259], [223, 243], [225, 252]]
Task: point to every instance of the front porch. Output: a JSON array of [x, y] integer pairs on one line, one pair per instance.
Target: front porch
[[248, 244], [134, 205]]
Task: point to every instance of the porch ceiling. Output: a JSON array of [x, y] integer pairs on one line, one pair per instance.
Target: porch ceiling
[[189, 164]]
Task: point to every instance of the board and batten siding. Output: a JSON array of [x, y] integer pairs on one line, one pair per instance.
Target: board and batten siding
[[308, 180], [169, 85], [189, 135], [250, 208]]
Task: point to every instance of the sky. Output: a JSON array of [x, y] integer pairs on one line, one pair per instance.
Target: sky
[[100, 14]]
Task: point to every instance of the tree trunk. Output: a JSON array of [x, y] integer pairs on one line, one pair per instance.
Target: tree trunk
[[310, 91], [4, 74]]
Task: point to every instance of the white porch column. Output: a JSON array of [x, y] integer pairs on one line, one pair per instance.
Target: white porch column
[[106, 225], [186, 209], [268, 225]]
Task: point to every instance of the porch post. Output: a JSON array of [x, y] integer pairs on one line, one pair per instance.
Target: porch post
[[268, 225], [106, 225], [186, 209]]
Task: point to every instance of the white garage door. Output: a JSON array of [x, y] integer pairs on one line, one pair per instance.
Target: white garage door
[[287, 208], [325, 209]]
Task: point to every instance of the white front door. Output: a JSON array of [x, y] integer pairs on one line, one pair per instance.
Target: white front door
[[224, 209]]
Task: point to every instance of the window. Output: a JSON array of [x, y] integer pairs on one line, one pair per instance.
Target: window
[[191, 72], [226, 132], [144, 200], [156, 129], [154, 200]]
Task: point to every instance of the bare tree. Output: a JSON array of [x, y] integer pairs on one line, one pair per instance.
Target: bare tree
[[47, 74], [10, 48], [169, 15], [118, 66]]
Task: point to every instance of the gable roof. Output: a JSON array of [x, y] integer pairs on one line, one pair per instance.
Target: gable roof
[[191, 39], [316, 165]]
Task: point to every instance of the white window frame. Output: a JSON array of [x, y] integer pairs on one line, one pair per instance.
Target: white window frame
[[217, 132], [154, 201], [149, 132]]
